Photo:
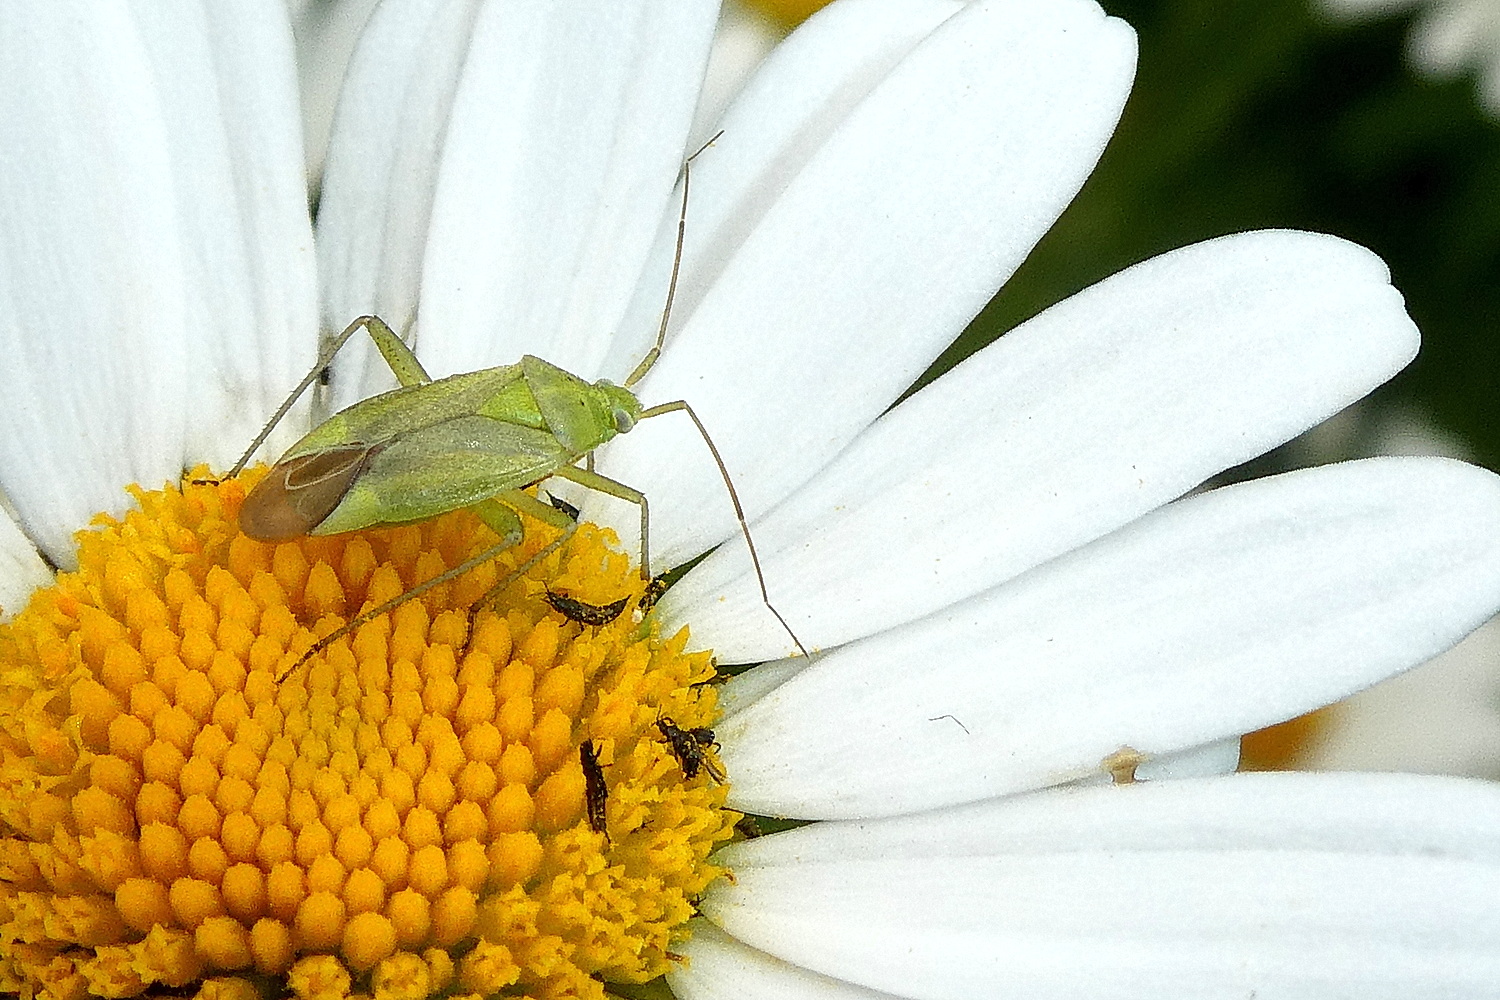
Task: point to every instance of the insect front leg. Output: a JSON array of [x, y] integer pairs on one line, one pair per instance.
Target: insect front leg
[[500, 516], [604, 484], [510, 501]]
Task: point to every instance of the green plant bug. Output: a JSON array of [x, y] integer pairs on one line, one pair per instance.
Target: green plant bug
[[473, 440]]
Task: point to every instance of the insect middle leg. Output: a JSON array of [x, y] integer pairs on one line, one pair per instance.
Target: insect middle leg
[[509, 538], [501, 513]]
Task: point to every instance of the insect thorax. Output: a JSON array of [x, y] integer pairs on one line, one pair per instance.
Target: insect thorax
[[581, 415]]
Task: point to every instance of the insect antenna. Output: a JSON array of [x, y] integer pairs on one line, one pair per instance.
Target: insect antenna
[[666, 314], [739, 510], [649, 361]]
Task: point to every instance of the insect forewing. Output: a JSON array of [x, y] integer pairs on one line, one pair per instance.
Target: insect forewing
[[400, 412], [442, 467], [299, 493]]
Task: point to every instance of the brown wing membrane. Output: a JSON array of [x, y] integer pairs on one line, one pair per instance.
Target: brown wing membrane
[[297, 494]]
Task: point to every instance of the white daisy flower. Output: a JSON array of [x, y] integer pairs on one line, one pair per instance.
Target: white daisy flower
[[1449, 37], [1002, 593]]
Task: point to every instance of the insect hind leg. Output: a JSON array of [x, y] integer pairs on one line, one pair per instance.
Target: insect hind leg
[[504, 521], [493, 594], [507, 541], [403, 364]]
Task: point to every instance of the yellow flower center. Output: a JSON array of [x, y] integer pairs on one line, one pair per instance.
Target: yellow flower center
[[788, 12], [404, 814]]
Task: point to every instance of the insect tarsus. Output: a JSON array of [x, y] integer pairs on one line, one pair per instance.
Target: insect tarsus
[[656, 587]]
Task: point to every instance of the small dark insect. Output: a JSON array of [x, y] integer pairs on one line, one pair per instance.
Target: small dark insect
[[584, 613], [654, 589], [595, 791], [689, 746], [562, 506]]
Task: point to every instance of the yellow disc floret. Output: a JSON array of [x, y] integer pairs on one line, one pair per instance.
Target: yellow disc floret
[[416, 810]]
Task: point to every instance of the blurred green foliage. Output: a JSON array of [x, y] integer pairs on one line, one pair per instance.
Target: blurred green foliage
[[1257, 114]]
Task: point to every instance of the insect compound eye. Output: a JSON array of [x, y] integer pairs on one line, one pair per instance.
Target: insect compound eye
[[623, 420]]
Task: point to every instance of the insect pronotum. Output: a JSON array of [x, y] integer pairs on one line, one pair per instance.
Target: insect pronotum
[[477, 440]]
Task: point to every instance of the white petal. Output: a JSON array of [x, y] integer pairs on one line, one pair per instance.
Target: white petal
[[256, 67], [805, 87], [152, 222], [1441, 718], [1263, 885], [1099, 409], [326, 35], [1211, 617], [865, 247], [1288, 810], [1126, 765], [21, 568], [742, 40], [92, 282], [1103, 926], [228, 90], [381, 172], [565, 141], [1208, 760], [718, 966], [750, 686]]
